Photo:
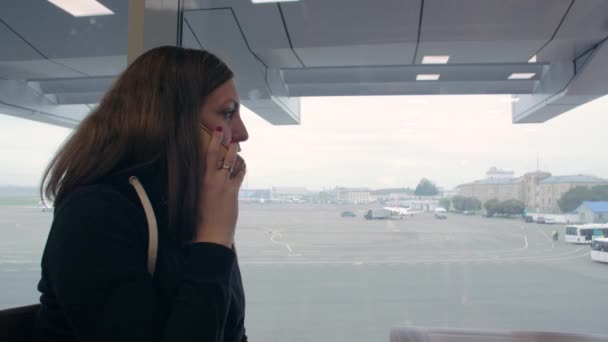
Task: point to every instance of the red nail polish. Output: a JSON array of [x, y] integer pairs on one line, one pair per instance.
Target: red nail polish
[[218, 129]]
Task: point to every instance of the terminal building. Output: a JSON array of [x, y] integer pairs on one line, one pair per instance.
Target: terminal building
[[391, 195], [539, 191], [254, 195], [353, 195], [288, 194]]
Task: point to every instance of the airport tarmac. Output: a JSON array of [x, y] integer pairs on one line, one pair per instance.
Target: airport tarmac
[[311, 275]]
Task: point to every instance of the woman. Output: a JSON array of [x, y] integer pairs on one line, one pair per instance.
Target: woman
[[95, 282]]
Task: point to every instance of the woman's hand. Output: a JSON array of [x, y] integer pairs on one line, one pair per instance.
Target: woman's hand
[[220, 186]]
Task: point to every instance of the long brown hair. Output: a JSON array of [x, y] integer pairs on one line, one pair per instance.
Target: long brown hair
[[149, 115]]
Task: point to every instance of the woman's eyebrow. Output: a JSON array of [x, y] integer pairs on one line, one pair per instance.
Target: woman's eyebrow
[[234, 103]]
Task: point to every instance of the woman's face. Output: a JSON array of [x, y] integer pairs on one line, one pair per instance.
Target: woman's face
[[222, 109]]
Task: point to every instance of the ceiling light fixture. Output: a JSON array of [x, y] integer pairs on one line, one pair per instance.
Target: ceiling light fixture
[[82, 8], [532, 60], [435, 59], [522, 76], [271, 1], [427, 77]]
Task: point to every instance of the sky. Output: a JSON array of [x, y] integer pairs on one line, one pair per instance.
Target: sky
[[375, 142]]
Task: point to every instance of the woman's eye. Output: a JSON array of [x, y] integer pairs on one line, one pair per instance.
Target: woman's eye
[[228, 114]]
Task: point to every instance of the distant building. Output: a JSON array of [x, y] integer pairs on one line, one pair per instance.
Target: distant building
[[353, 195], [422, 203], [449, 193], [539, 191], [501, 189], [552, 189], [499, 184], [531, 190], [391, 195], [593, 212], [288, 194], [495, 172], [257, 195]]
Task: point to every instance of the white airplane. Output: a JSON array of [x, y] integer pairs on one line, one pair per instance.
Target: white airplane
[[398, 211]]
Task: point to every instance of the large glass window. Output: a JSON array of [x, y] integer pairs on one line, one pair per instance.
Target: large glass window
[[310, 271], [26, 147]]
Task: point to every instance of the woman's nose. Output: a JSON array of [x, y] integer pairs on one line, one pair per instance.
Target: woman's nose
[[239, 131]]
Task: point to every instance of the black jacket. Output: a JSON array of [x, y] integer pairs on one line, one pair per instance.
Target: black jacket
[[95, 285]]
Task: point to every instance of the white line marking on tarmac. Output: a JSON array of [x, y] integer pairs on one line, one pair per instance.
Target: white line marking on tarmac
[[573, 254], [285, 244]]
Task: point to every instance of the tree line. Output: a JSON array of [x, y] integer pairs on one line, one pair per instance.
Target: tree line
[[508, 208], [573, 198], [461, 203], [567, 203], [493, 207]]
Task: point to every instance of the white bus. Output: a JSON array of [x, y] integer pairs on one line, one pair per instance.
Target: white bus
[[599, 250], [585, 233]]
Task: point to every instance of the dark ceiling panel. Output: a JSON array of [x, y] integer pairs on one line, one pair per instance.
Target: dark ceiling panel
[[488, 31], [262, 26], [465, 52], [75, 85], [34, 69], [586, 20], [585, 25], [413, 88], [373, 33], [57, 34], [317, 23], [491, 20], [13, 47]]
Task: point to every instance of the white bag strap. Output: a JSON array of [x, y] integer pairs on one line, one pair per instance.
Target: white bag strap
[[152, 226]]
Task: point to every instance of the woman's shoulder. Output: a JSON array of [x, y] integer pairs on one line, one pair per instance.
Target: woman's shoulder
[[99, 203], [94, 196], [95, 227]]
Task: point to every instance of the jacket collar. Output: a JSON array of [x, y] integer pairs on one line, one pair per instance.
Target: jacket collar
[[152, 177]]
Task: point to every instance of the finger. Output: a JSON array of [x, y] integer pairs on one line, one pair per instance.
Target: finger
[[239, 163], [214, 148], [231, 157], [238, 177]]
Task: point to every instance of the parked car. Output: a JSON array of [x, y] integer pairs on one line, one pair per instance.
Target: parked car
[[440, 216], [468, 213], [550, 221], [528, 219], [541, 220], [348, 214]]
